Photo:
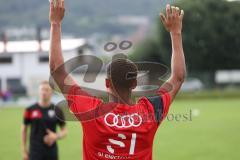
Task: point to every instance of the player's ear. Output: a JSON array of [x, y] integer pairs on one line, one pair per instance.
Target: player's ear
[[134, 84], [107, 83]]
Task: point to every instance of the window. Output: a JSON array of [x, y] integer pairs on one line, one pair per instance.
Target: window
[[13, 82], [15, 87], [43, 59], [5, 60]]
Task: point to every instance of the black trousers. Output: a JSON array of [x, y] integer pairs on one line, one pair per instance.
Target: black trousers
[[43, 154]]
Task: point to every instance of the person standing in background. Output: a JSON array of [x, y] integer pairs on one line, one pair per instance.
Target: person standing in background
[[43, 118]]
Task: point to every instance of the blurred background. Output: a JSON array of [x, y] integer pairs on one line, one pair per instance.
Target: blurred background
[[210, 94]]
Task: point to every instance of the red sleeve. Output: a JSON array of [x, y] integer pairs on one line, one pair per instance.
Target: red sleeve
[[166, 99], [160, 104], [80, 102], [27, 117]]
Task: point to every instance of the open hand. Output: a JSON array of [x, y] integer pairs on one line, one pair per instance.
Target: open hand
[[50, 138], [57, 10], [173, 19], [25, 156]]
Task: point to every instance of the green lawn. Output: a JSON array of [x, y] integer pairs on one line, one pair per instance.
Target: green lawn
[[213, 133]]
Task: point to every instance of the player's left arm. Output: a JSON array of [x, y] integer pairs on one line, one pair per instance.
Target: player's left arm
[[56, 60], [52, 137], [72, 92], [173, 23], [24, 137]]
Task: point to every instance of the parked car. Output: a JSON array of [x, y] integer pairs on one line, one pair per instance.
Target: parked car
[[192, 84]]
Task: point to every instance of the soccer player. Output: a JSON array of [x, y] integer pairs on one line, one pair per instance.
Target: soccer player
[[43, 118], [118, 129]]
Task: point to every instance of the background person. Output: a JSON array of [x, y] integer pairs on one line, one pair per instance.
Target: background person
[[42, 120]]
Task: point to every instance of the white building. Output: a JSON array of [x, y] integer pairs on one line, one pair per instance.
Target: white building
[[23, 64]]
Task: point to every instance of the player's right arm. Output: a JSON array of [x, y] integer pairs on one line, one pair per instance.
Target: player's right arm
[[173, 23], [168, 91], [24, 129], [24, 134]]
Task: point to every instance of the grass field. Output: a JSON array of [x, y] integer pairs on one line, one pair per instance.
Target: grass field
[[213, 133]]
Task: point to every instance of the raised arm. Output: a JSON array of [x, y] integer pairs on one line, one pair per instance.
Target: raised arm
[[56, 60], [173, 23]]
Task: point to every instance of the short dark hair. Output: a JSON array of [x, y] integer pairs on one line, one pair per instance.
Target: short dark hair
[[122, 73]]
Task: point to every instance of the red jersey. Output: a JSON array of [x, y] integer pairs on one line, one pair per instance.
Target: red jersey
[[118, 131]]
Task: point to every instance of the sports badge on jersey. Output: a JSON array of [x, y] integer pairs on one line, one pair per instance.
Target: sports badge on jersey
[[51, 113]]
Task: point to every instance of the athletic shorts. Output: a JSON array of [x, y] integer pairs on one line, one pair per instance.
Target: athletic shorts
[[43, 154]]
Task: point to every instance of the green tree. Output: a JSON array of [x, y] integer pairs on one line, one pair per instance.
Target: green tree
[[210, 34]]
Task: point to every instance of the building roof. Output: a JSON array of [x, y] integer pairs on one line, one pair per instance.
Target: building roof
[[33, 46]]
